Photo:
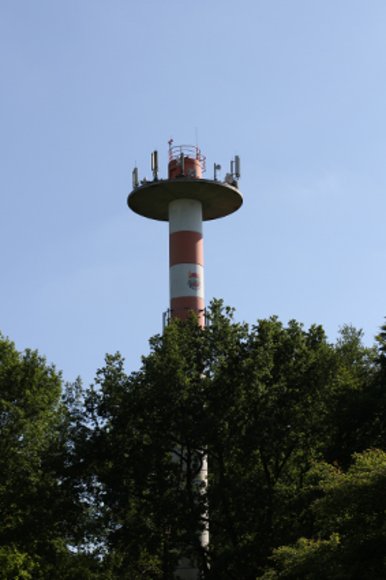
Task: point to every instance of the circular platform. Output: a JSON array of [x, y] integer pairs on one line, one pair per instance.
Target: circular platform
[[152, 199]]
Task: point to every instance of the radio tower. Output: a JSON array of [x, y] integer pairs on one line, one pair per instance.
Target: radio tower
[[185, 199]]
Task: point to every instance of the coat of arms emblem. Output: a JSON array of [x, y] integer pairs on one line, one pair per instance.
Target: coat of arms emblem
[[194, 280]]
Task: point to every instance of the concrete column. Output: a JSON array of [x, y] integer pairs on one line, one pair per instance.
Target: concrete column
[[186, 259]]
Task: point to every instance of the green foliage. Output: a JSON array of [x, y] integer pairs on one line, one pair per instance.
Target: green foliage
[[29, 392], [262, 402], [16, 565], [103, 483], [350, 519], [41, 511], [308, 560]]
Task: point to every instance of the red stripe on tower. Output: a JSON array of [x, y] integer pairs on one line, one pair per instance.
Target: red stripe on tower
[[186, 248], [186, 259]]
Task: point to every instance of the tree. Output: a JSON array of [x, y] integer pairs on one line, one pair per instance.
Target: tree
[[350, 517], [274, 423], [103, 484], [355, 398], [40, 507], [258, 401], [29, 393], [145, 425]]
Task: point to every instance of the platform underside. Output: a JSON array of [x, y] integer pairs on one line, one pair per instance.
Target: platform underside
[[152, 199]]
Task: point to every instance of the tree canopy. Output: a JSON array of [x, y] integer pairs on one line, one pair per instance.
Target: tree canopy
[[101, 482]]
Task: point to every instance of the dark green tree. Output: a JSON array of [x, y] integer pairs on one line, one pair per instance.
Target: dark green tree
[[103, 484], [41, 507], [148, 439], [350, 518], [261, 402]]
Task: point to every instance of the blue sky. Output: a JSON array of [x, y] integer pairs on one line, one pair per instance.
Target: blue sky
[[297, 88]]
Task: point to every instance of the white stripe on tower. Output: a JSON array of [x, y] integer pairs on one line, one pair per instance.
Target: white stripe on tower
[[186, 259]]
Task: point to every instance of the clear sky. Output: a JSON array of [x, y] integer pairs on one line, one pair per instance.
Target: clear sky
[[297, 88]]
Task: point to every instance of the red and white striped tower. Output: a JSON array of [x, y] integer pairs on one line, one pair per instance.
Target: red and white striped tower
[[185, 199], [186, 259]]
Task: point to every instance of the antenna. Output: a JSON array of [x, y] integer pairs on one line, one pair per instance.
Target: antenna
[[154, 164], [216, 168], [237, 167], [134, 177]]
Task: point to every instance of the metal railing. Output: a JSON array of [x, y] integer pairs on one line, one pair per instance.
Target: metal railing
[[190, 151]]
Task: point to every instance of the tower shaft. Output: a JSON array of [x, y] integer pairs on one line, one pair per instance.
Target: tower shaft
[[186, 259]]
